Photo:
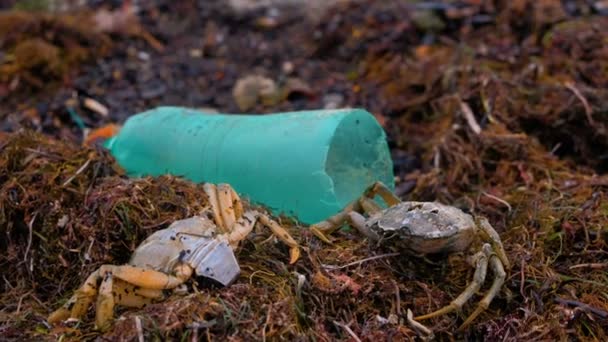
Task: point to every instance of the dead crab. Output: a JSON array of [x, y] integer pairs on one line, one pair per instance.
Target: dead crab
[[202, 245], [426, 228]]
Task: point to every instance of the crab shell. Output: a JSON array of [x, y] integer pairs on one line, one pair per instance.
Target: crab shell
[[193, 241], [424, 227]]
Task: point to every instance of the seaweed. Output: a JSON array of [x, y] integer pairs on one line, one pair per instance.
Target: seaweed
[[498, 108]]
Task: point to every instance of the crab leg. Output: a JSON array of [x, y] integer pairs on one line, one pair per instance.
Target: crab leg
[[226, 202], [147, 278], [245, 225], [80, 301], [211, 191], [499, 279], [494, 239], [365, 203], [113, 292], [358, 221], [78, 304], [228, 212], [283, 235], [236, 203], [369, 206], [350, 214], [478, 279], [378, 188], [328, 226], [126, 294], [242, 228], [105, 302]]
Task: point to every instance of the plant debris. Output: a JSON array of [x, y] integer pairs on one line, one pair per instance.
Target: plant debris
[[42, 48], [496, 107]]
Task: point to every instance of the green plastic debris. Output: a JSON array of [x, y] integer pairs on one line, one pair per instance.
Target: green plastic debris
[[306, 164]]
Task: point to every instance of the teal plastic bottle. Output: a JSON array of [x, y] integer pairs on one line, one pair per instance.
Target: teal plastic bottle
[[306, 164]]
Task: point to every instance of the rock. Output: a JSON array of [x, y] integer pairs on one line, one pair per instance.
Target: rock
[[250, 90], [333, 101]]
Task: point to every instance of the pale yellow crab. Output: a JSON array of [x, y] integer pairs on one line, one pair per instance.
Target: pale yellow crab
[[424, 228], [201, 245]]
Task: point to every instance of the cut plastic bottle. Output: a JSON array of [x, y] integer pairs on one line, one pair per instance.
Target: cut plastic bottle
[[307, 164]]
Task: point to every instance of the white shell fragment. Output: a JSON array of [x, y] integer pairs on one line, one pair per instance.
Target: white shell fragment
[[216, 260]]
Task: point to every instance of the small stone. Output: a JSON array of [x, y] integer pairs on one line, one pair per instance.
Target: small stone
[[249, 90], [144, 56], [287, 67], [333, 101], [63, 221], [196, 53]]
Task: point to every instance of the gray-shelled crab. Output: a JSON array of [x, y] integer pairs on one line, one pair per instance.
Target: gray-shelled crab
[[426, 228]]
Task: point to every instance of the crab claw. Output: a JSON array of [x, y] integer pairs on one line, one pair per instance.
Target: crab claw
[[294, 255], [283, 235], [319, 234]]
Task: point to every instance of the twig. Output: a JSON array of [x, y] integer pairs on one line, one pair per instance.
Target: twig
[[334, 267], [595, 266], [418, 326], [3, 145], [150, 39], [44, 154], [583, 306], [555, 148], [87, 254], [21, 301], [40, 302], [348, 330], [140, 332], [194, 335], [266, 323], [96, 107], [196, 326], [436, 158], [201, 324], [522, 280], [29, 239], [398, 297], [79, 171], [498, 199], [577, 93], [470, 117]]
